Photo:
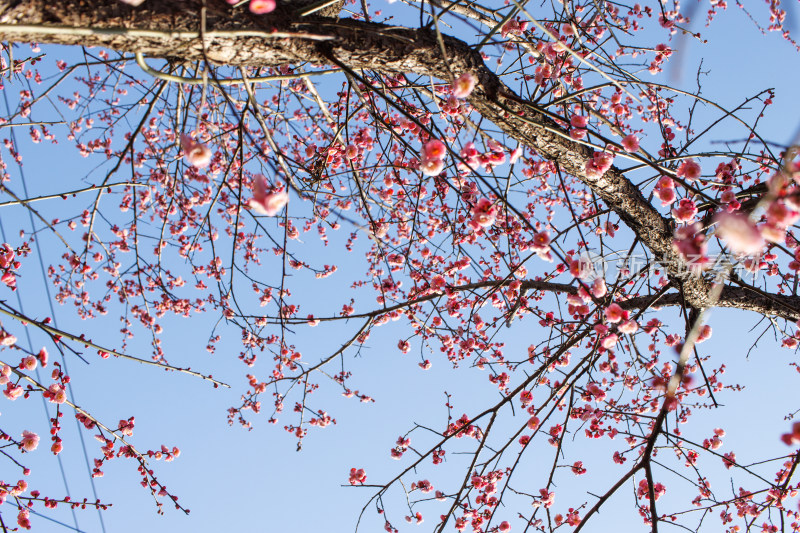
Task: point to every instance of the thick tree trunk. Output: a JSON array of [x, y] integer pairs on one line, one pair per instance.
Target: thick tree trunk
[[171, 29]]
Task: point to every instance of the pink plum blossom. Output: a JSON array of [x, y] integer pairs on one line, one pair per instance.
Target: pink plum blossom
[[12, 391], [431, 167], [630, 143], [690, 243], [578, 121], [615, 313], [793, 437], [471, 156], [739, 232], [779, 216], [599, 288], [197, 154], [483, 214], [666, 195], [7, 339], [513, 27], [464, 85], [628, 327], [515, 155], [685, 211], [598, 165], [595, 390], [689, 170], [261, 7], [7, 256], [23, 517], [610, 341], [357, 476], [434, 149], [56, 394], [29, 441], [264, 201]]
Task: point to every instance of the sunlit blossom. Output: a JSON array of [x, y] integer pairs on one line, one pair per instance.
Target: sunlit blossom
[[29, 441], [265, 201], [464, 85], [739, 233], [261, 7], [197, 154]]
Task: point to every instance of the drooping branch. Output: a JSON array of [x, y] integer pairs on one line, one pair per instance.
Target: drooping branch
[[170, 29]]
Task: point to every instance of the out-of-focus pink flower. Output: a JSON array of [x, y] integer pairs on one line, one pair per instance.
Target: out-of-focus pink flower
[[514, 27], [739, 232], [630, 143], [464, 85], [265, 201], [197, 154], [261, 7], [794, 436], [29, 441], [515, 154], [779, 216], [705, 333]]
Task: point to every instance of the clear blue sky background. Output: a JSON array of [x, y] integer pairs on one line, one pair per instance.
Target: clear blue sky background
[[237, 480]]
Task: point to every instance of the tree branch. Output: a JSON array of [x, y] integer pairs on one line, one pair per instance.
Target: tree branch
[[170, 29]]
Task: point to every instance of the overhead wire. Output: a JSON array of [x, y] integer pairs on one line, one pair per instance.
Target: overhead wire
[[70, 390]]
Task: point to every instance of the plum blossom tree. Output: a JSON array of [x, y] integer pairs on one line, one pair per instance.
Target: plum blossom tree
[[490, 166]]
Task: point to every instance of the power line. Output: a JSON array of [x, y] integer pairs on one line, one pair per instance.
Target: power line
[[70, 390]]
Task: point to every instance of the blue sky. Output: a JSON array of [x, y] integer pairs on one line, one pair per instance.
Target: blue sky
[[233, 479]]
